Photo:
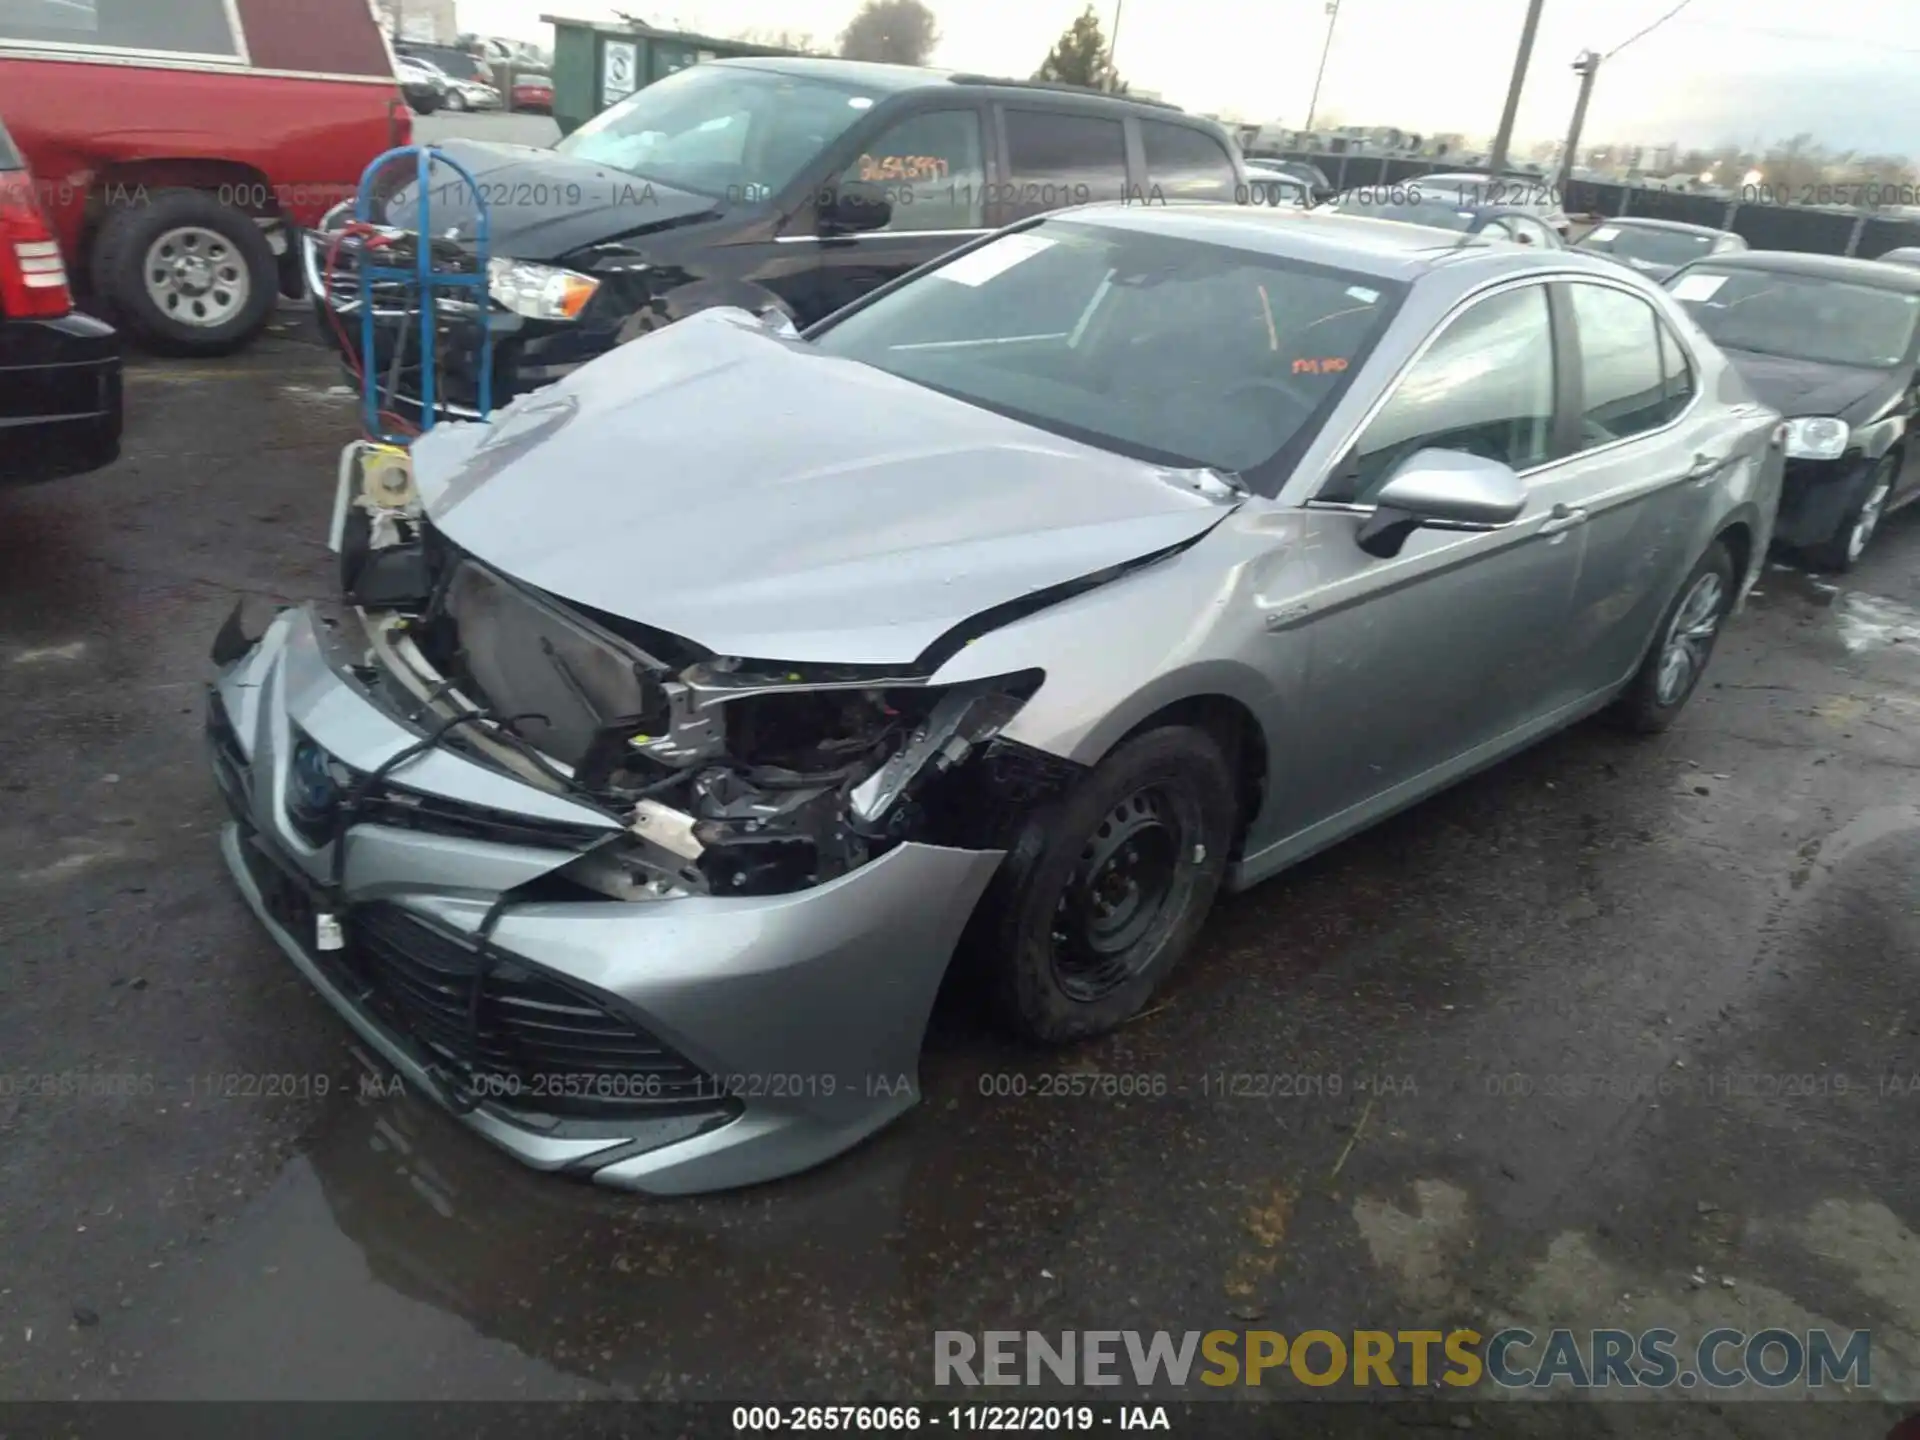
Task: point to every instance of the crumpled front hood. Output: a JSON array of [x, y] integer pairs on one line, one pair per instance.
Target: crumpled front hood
[[541, 205], [766, 501], [1807, 387]]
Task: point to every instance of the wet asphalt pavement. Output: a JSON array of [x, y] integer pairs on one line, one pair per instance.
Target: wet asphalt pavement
[[1616, 1013]]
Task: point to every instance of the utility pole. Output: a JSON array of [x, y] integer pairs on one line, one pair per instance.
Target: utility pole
[[1113, 41], [1586, 67], [1326, 48], [1497, 158]]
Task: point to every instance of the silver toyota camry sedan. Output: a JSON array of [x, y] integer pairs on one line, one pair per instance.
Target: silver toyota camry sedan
[[679, 729]]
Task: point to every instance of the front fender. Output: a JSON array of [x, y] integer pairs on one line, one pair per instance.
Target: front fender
[[1178, 629], [1877, 438]]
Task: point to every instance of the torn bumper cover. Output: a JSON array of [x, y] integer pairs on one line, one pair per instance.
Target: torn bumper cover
[[534, 960]]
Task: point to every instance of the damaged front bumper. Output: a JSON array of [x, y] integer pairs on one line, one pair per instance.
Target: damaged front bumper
[[674, 1045]]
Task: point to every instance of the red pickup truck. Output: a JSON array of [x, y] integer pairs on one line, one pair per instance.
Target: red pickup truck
[[180, 146]]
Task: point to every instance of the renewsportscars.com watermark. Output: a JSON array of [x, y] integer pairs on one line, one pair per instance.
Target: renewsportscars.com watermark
[[1513, 1359]]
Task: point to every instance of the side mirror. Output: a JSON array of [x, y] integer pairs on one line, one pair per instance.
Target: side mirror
[[778, 322], [853, 208], [1445, 488]]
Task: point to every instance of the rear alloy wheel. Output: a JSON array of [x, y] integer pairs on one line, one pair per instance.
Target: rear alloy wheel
[[187, 274], [1842, 551], [456, 100], [1682, 646], [1103, 895]]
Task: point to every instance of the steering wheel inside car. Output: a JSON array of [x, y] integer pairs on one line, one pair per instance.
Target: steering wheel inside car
[[1274, 385]]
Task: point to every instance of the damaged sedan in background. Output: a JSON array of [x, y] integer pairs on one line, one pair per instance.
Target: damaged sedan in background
[[677, 729]]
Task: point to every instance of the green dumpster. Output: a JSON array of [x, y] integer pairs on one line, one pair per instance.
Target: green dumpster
[[597, 63]]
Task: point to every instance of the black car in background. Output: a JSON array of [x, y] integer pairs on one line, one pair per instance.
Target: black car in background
[[789, 187], [1834, 345], [60, 387], [1410, 204], [1657, 248]]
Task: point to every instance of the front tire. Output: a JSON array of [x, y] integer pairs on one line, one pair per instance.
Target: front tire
[[1842, 550], [456, 101], [188, 275], [1682, 645], [1105, 892]]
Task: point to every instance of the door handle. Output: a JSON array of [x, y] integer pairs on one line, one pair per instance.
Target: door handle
[[1705, 467], [1560, 520]]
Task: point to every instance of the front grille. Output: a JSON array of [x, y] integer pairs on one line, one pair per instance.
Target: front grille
[[530, 1040]]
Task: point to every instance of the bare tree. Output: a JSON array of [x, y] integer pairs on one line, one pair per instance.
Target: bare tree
[[900, 32]]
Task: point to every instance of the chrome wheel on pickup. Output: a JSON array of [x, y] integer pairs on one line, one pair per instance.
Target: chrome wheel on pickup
[[197, 277], [185, 273]]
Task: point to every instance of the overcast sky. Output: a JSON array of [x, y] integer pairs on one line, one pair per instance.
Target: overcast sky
[[1722, 70]]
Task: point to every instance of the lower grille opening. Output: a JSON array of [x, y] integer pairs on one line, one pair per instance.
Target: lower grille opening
[[529, 1040]]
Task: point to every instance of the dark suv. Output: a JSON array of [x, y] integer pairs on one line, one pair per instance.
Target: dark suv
[[777, 184]]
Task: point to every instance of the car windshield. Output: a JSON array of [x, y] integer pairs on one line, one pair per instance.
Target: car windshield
[[721, 129], [1405, 206], [1656, 247], [1153, 346], [1803, 317]]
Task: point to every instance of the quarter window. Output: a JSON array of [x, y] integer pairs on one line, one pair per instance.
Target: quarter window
[[1059, 159], [930, 169], [1676, 374], [1624, 383], [1186, 164], [1484, 387], [184, 27]]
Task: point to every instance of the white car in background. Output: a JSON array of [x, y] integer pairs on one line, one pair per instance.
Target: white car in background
[[1536, 195], [1274, 188]]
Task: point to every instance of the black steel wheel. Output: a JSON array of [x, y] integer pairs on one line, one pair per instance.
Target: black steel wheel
[[1106, 892]]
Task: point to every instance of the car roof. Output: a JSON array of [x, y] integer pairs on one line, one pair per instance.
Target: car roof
[[1385, 249], [1484, 179], [1475, 208], [1643, 222], [895, 79], [1819, 267]]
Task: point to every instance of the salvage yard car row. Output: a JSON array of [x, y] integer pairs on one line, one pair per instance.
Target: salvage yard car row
[[881, 569]]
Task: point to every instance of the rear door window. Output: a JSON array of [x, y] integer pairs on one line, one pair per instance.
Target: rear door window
[[183, 27], [1186, 164], [1058, 158]]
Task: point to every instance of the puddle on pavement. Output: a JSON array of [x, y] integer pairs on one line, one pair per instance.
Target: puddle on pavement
[[1869, 622], [401, 1257]]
